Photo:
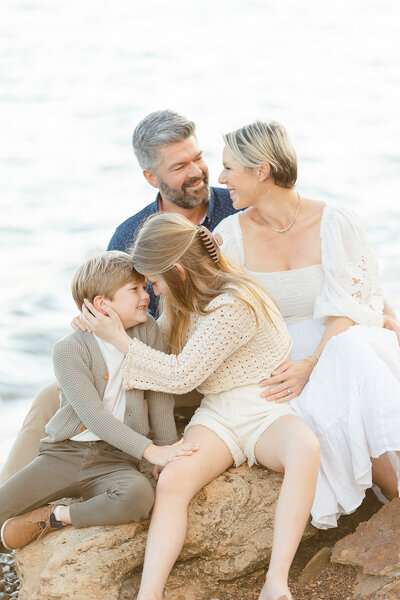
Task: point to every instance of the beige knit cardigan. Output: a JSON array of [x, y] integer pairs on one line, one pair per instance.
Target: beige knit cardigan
[[224, 349]]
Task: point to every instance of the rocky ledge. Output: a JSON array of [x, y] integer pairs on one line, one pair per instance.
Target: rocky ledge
[[229, 536], [374, 549]]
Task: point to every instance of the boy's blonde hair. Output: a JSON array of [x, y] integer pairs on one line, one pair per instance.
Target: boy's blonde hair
[[169, 238], [265, 141], [103, 275]]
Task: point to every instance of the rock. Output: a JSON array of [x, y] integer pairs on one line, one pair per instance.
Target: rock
[[374, 549], [315, 566], [229, 536]]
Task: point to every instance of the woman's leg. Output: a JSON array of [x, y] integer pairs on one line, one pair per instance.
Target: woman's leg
[[384, 475], [290, 446], [178, 483]]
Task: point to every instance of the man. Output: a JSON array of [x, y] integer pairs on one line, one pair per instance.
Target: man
[[167, 150]]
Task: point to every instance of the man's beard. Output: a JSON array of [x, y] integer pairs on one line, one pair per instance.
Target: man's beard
[[186, 198]]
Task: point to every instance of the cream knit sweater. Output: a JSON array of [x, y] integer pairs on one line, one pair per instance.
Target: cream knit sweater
[[224, 349]]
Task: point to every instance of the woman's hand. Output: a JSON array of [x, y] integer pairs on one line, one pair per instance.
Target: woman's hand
[[162, 455], [287, 381], [392, 324], [107, 326]]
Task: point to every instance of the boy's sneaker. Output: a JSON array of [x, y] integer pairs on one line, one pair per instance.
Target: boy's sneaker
[[19, 531]]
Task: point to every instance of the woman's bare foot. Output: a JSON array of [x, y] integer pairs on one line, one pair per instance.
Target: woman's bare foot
[[275, 590]]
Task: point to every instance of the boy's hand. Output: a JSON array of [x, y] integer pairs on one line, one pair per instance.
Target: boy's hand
[[162, 455], [156, 471]]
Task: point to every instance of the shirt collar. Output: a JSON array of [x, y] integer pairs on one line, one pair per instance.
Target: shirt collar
[[155, 206], [210, 209]]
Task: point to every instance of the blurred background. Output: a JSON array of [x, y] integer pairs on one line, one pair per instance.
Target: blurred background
[[76, 77]]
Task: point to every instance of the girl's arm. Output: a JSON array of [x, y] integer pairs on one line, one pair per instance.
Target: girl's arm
[[219, 334]]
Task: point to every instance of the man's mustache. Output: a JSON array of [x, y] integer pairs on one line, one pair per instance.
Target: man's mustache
[[194, 180]]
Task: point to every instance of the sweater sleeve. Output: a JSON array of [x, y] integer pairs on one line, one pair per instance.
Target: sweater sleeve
[[217, 335], [71, 362], [160, 404]]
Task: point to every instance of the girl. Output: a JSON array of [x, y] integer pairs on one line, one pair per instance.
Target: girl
[[225, 335]]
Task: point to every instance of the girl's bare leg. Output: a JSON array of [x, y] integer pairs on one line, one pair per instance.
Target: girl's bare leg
[[178, 483], [290, 446]]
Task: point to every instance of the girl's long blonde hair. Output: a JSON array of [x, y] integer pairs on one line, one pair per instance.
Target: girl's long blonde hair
[[169, 238]]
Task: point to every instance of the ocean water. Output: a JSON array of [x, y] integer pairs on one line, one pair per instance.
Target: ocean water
[[76, 77]]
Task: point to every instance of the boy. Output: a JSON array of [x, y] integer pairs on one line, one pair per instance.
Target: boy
[[100, 432]]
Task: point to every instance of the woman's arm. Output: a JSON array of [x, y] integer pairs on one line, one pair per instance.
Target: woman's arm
[[293, 375], [334, 326], [390, 320]]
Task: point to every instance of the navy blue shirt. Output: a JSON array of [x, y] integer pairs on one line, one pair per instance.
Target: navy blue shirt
[[219, 207]]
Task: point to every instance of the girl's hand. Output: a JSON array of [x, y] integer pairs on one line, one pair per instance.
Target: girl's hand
[[287, 381], [162, 455], [77, 323], [392, 324], [107, 326]]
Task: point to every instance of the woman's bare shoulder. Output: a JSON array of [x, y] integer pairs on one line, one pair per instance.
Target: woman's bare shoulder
[[311, 212], [313, 207]]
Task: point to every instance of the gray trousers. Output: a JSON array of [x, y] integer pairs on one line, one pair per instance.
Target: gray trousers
[[113, 489], [47, 402]]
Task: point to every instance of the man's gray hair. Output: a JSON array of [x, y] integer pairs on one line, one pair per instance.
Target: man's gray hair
[[159, 129]]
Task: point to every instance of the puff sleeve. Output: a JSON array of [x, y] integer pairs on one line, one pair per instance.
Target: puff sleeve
[[352, 285]]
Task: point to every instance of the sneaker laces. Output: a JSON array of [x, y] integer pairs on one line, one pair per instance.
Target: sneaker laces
[[44, 518]]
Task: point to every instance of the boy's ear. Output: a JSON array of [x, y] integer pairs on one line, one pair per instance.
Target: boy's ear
[[151, 178], [98, 303]]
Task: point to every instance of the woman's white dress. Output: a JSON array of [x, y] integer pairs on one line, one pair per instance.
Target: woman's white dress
[[352, 400]]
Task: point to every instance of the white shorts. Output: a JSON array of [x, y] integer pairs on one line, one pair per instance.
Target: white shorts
[[239, 417]]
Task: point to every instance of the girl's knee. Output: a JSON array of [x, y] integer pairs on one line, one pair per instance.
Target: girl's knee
[[306, 445], [311, 452], [174, 482], [312, 446]]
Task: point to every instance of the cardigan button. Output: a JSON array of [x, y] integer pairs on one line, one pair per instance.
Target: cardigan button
[[105, 376]]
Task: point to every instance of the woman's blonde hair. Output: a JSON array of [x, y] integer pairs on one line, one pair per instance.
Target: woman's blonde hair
[[265, 141], [169, 238]]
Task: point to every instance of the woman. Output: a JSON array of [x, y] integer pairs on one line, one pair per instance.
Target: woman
[[225, 333], [315, 261]]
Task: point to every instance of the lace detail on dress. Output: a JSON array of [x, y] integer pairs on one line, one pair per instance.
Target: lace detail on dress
[[294, 291], [352, 284], [365, 285]]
